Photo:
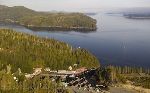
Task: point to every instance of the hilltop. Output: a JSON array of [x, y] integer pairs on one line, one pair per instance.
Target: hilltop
[[46, 20]]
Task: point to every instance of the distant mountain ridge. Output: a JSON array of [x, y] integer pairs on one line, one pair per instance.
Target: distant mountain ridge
[[139, 10], [134, 13], [3, 6], [137, 13]]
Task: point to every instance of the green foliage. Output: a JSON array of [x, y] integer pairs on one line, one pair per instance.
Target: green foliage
[[17, 83], [104, 75], [116, 74], [30, 18], [121, 78], [6, 81], [129, 69], [137, 75], [26, 51], [141, 81]]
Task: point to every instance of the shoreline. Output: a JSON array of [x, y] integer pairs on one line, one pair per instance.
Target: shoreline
[[52, 28], [80, 29]]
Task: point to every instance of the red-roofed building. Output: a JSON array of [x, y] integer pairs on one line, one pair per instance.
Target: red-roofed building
[[80, 70]]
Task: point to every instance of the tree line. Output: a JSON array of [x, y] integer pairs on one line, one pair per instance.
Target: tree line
[[122, 74]]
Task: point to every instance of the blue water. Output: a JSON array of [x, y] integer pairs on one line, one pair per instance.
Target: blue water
[[117, 41]]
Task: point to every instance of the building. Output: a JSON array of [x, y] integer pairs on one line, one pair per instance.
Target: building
[[80, 70], [37, 71]]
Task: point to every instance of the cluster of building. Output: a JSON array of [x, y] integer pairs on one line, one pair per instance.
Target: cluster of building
[[61, 73], [79, 78]]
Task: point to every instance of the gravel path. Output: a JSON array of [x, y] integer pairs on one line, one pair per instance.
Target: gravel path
[[121, 90]]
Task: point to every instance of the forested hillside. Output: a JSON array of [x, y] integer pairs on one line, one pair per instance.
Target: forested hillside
[[26, 52], [33, 19]]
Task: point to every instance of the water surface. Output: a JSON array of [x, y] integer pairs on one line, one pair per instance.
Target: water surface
[[117, 41]]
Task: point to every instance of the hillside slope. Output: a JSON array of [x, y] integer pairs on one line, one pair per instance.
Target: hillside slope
[[26, 51]]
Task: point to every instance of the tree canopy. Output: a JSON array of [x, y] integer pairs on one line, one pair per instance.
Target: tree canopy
[[27, 51]]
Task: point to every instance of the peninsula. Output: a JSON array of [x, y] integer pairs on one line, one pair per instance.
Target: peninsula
[[52, 21]]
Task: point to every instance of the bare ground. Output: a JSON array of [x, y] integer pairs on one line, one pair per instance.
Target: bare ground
[[121, 90]]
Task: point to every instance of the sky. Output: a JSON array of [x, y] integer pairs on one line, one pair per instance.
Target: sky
[[65, 5]]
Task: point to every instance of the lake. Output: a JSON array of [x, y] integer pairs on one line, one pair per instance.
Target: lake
[[117, 41]]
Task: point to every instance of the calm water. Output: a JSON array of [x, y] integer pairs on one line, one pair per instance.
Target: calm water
[[117, 41]]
